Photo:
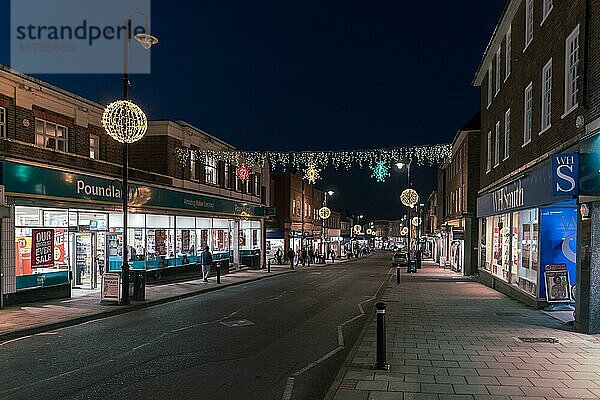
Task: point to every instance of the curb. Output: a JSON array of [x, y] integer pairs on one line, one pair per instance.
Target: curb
[[125, 309], [344, 368]]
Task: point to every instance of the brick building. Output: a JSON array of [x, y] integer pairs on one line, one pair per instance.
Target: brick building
[[540, 105], [61, 176], [458, 179]]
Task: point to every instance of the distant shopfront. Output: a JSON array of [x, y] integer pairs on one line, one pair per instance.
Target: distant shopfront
[[166, 229], [525, 229]]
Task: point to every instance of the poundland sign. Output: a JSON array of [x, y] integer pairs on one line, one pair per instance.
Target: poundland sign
[[33, 181]]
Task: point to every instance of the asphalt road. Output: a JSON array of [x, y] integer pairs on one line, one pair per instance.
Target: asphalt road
[[298, 329]]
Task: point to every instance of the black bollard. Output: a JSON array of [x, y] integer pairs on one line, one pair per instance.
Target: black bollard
[[398, 274], [269, 266], [218, 272], [381, 344]]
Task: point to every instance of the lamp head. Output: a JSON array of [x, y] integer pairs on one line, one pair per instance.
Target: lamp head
[[146, 40], [330, 192], [400, 165], [361, 216]]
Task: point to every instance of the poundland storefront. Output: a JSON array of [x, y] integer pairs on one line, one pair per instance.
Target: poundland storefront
[[526, 230], [65, 230]]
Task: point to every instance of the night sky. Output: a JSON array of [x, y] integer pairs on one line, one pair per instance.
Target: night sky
[[312, 75]]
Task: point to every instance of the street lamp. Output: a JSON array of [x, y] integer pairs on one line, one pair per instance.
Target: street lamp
[[126, 123], [409, 198], [326, 213]]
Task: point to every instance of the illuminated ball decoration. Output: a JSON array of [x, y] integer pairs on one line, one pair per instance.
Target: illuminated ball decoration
[[243, 172], [324, 212], [357, 229], [124, 121], [380, 171], [404, 231], [409, 197], [416, 221], [311, 174]]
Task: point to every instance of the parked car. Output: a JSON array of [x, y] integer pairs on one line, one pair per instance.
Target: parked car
[[400, 259]]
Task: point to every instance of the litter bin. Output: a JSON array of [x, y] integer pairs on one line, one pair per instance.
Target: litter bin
[[137, 285]]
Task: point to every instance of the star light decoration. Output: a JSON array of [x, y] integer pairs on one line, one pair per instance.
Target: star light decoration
[[324, 212], [380, 171], [409, 197], [416, 221], [311, 173], [243, 172]]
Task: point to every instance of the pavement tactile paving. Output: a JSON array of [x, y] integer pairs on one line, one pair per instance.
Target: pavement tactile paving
[[448, 339]]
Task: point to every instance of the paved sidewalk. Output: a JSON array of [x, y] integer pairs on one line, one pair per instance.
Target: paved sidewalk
[[31, 318], [461, 340]]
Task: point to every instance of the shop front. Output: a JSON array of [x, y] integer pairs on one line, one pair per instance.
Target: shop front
[[525, 230], [80, 215]]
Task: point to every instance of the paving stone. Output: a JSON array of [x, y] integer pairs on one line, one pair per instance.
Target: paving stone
[[361, 375], [420, 396], [462, 371], [419, 378], [514, 381], [575, 393], [436, 388], [450, 379], [372, 385], [482, 380], [345, 394], [413, 387], [376, 395], [470, 389], [505, 390], [539, 391]]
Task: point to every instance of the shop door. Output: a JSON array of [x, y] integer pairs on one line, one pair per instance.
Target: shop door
[[85, 267]]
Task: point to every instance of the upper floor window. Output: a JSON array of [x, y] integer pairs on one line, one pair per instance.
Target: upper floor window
[[50, 135], [528, 22], [489, 152], [507, 53], [94, 146], [528, 114], [257, 184], [2, 122], [498, 71], [293, 206], [546, 96], [227, 175], [238, 184], [497, 145], [489, 86], [547, 7], [210, 171], [193, 166], [571, 70], [507, 134]]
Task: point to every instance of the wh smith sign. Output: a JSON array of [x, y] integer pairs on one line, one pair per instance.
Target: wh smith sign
[[565, 174]]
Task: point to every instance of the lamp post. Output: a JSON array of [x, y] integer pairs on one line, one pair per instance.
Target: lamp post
[[327, 212], [126, 123], [409, 198]]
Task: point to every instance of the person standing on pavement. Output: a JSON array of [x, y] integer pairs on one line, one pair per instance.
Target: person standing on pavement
[[291, 255], [279, 255], [206, 262], [311, 256], [304, 257]]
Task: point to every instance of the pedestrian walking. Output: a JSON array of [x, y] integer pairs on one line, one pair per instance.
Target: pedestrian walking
[[304, 257], [291, 255], [279, 255], [206, 260], [298, 256], [311, 256]]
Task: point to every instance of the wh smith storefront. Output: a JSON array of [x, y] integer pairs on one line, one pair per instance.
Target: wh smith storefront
[[167, 229], [527, 227]]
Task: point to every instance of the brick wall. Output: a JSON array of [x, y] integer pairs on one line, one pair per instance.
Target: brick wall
[[548, 42]]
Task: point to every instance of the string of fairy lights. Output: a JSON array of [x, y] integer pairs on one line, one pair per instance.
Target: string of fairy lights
[[312, 163]]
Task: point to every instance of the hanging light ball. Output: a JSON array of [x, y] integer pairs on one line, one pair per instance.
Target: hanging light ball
[[416, 221], [409, 197], [357, 229], [124, 121], [369, 231], [404, 231], [324, 212], [243, 172]]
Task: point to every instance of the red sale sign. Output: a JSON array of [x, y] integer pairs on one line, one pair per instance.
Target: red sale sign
[[42, 248]]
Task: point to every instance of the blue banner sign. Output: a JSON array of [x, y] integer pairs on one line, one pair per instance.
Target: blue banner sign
[[565, 174]]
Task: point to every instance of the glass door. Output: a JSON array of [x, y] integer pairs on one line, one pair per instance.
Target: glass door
[[83, 265]]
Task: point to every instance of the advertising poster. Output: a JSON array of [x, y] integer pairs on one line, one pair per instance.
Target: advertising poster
[[558, 288], [59, 246], [111, 287], [160, 242], [42, 248], [185, 241], [23, 255], [558, 242]]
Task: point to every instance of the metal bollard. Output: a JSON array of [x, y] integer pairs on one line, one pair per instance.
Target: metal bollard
[[218, 272], [398, 274], [381, 344], [269, 266]]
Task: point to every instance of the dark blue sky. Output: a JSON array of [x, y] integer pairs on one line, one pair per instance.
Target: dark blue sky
[[297, 75]]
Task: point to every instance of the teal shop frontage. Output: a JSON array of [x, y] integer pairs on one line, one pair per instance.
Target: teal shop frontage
[[167, 230]]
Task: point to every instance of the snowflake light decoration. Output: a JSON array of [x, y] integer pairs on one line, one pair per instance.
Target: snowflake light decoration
[[243, 172], [311, 173], [380, 171]]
